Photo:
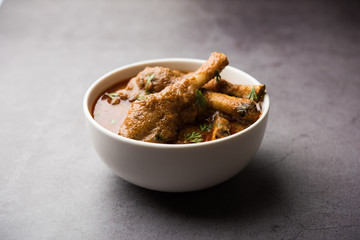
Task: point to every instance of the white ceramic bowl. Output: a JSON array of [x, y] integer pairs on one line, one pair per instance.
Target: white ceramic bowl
[[175, 167]]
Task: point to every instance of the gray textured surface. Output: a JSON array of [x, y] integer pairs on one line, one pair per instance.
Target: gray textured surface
[[302, 184]]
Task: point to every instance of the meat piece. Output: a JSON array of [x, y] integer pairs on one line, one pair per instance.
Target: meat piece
[[158, 117], [189, 134], [150, 80], [237, 90], [221, 128], [242, 108], [238, 126]]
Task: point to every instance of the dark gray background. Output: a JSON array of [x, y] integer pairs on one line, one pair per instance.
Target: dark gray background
[[303, 182]]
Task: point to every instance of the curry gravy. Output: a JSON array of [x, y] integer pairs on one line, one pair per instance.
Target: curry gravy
[[108, 115]]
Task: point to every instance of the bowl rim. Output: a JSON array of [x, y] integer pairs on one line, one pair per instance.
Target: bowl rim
[[88, 116]]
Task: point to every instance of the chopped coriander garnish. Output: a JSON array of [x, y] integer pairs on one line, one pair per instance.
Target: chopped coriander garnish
[[148, 81], [217, 75], [219, 125], [205, 127], [141, 97], [200, 99], [158, 137], [96, 114], [193, 137], [252, 95], [112, 95], [113, 121]]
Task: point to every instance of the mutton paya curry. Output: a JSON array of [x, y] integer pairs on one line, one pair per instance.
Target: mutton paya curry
[[163, 105]]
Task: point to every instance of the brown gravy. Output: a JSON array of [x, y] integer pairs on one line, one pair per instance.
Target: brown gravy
[[111, 116]]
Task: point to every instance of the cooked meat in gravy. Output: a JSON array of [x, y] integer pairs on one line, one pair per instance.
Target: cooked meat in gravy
[[169, 106], [150, 80], [240, 91]]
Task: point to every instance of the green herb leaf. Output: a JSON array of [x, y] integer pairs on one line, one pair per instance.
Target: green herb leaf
[[217, 75], [141, 97], [200, 99], [158, 137], [113, 121], [193, 137], [148, 81], [252, 95], [205, 127], [112, 95]]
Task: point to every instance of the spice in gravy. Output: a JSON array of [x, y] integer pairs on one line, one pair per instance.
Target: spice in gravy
[[108, 115]]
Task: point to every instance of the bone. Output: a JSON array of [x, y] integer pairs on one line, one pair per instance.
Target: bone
[[242, 108]]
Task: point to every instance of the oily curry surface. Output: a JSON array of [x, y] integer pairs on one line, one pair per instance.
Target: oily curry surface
[[169, 106]]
